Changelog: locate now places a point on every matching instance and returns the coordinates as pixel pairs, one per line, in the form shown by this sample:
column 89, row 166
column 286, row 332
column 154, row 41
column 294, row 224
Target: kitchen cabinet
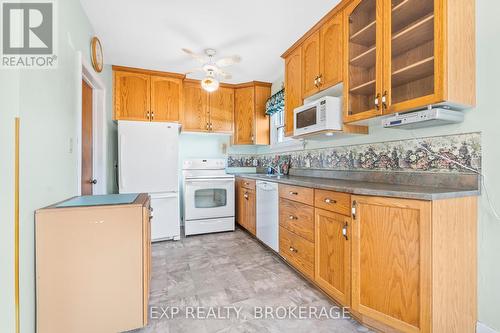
column 399, row 58
column 296, row 231
column 251, row 122
column 409, row 258
column 322, row 57
column 207, row 112
column 196, row 113
column 221, row 107
column 83, row 247
column 293, row 87
column 333, row 254
column 245, row 204
column 146, row 95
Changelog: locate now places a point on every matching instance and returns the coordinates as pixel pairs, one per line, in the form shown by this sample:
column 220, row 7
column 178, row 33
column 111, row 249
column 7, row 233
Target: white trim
column 482, row 328
column 99, row 128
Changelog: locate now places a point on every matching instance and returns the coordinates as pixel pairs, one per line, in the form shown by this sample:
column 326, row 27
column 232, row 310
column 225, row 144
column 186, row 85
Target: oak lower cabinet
column 93, row 265
column 245, row 204
column 333, row 254
column 414, row 264
column 146, row 95
column 296, row 228
column 251, row 122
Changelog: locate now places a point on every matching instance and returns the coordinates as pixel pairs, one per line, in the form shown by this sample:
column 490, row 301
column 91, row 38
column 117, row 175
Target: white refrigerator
column 148, row 162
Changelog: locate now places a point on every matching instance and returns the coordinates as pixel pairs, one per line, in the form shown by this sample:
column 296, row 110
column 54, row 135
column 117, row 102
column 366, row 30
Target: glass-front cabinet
column 363, row 19
column 410, row 66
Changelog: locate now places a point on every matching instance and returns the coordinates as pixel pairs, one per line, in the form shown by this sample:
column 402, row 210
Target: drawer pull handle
column 328, row 201
column 246, row 195
column 292, row 217
column 247, row 183
column 293, row 250
column 293, row 193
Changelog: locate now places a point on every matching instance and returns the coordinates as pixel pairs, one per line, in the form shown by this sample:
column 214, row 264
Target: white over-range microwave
column 321, row 115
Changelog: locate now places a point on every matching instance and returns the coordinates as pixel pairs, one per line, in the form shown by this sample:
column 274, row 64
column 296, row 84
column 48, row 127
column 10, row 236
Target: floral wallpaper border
column 413, row 155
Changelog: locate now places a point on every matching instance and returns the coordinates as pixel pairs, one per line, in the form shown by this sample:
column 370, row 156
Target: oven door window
column 210, row 198
column 306, row 118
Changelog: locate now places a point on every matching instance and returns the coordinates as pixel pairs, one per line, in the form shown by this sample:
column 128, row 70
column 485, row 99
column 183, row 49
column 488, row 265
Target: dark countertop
column 368, row 188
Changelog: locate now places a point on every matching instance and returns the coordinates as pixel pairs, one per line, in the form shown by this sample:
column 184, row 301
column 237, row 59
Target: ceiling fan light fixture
column 210, row 84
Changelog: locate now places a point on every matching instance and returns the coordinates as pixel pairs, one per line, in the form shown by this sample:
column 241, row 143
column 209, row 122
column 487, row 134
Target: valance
column 276, row 102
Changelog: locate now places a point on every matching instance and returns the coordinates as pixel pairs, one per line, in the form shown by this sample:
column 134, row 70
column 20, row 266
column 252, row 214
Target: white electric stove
column 208, row 197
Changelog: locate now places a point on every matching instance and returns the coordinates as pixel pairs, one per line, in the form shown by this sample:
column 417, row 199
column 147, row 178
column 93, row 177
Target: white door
column 165, row 223
column 208, row 198
column 148, row 154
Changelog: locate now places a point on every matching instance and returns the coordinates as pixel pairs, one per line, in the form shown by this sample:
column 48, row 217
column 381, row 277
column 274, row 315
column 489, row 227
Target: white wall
column 485, row 118
column 49, row 108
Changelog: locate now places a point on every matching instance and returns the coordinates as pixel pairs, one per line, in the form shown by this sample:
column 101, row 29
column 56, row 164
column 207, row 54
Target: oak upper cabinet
column 195, row 103
column 331, row 52
column 429, row 55
column 131, row 96
column 251, row 122
column 322, row 60
column 166, row 98
column 391, row 262
column 333, row 254
column 146, row 95
column 293, row 87
column 363, row 70
column 310, row 65
column 221, row 106
column 404, row 55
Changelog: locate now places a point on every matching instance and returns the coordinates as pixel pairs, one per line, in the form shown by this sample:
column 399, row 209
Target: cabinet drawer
column 247, row 183
column 297, row 251
column 297, row 218
column 333, row 201
column 297, row 193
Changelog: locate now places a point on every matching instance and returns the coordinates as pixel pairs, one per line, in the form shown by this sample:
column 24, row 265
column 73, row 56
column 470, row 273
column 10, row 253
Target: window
column 278, row 128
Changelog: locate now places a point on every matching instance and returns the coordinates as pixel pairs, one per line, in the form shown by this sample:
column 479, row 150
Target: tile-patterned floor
column 232, row 270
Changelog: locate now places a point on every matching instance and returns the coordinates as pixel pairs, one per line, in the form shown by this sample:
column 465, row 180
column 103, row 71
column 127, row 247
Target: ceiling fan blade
column 194, row 70
column 225, row 75
column 201, row 58
column 228, row 61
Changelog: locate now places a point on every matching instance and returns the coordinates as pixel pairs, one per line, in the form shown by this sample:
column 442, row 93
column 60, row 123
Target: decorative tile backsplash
column 413, row 155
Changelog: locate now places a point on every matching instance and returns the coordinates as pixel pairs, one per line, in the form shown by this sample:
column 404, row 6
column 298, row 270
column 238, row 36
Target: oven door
column 208, row 198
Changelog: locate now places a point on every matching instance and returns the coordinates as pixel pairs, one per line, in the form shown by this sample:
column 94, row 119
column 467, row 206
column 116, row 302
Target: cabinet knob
column 384, row 100
column 152, row 115
column 377, row 102
column 344, row 231
column 320, row 79
column 207, row 126
column 291, row 217
column 93, row 181
column 148, row 115
column 246, row 195
column 293, row 249
column 329, row 201
column 293, row 193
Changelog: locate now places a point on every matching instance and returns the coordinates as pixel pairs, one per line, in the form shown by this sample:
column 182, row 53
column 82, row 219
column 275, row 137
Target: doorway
column 87, row 179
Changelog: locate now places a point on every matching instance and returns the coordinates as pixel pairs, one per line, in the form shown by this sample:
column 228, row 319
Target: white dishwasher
column 267, row 213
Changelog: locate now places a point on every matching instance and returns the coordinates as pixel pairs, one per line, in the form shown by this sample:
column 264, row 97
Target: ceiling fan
column 212, row 68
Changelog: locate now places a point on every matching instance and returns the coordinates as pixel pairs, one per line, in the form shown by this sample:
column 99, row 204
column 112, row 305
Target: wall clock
column 96, row 54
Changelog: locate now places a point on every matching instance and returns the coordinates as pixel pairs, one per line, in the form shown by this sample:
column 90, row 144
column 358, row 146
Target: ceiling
column 150, row 34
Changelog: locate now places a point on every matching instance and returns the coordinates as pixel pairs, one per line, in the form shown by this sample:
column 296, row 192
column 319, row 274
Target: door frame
column 99, row 129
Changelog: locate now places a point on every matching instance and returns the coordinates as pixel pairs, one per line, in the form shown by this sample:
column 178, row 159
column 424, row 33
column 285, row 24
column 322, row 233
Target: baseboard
column 482, row 328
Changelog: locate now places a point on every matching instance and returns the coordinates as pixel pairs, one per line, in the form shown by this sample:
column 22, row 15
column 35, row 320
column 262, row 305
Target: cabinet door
column 166, row 98
column 241, row 205
column 261, row 119
column 244, row 104
column 293, row 87
column 250, row 212
column 195, row 116
column 222, row 110
column 411, row 63
column 333, row 254
column 363, row 68
column 331, row 53
column 131, row 96
column 310, row 65
column 391, row 262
